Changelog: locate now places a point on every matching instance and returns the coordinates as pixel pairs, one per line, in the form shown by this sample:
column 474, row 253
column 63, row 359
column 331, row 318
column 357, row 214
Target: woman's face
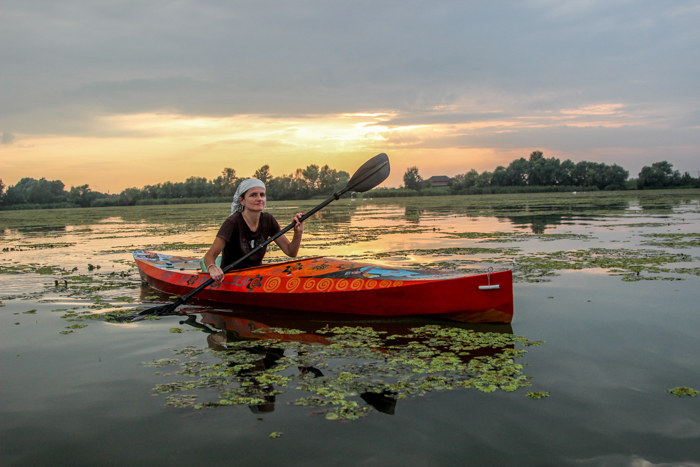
column 254, row 199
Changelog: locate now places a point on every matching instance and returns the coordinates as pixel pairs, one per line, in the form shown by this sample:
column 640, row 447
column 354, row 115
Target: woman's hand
column 299, row 228
column 216, row 273
column 210, row 260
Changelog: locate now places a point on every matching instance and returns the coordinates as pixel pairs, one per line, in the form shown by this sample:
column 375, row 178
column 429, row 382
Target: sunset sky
column 125, row 93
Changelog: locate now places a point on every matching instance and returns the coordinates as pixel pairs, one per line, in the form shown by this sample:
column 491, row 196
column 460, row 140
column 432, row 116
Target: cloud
column 497, row 74
column 7, row 138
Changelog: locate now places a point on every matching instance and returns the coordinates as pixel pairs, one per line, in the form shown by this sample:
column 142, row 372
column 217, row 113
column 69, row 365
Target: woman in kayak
column 246, row 228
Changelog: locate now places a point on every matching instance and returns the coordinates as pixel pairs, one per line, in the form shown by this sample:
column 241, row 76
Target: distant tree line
column 32, row 193
column 536, row 174
column 539, row 173
column 301, row 184
column 312, row 181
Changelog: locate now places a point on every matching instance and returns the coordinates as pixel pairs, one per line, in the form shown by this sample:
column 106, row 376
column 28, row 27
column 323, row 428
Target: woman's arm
column 210, row 257
column 292, row 248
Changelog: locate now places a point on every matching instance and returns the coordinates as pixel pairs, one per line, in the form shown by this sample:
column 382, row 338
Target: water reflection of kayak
column 330, row 285
column 253, row 348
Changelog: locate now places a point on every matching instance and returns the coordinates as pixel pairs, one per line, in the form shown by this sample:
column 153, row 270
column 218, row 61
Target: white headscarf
column 244, row 186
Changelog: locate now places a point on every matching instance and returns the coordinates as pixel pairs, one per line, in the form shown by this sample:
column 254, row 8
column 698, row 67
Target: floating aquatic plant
column 673, row 240
column 628, row 263
column 684, row 391
column 180, row 400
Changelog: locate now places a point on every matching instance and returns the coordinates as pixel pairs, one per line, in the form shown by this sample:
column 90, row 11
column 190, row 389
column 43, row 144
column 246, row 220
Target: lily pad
column 684, row 391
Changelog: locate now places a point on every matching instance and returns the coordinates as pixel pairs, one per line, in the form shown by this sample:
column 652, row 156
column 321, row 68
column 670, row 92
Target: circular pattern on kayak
column 342, row 284
column 385, row 283
column 309, row 284
column 271, row 284
column 356, row 284
column 324, row 284
column 293, row 283
column 371, row 284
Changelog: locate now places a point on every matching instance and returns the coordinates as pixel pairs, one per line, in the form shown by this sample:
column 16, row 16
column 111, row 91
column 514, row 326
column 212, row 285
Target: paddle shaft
column 335, row 196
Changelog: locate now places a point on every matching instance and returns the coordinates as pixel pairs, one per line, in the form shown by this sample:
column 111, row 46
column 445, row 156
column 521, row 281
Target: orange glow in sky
column 152, row 148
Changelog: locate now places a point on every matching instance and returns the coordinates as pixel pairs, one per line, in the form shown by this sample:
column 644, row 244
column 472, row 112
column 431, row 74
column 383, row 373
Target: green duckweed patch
column 37, row 246
column 640, row 224
column 537, row 395
column 628, row 263
column 673, row 240
column 477, row 254
column 345, row 373
column 180, row 400
column 162, row 362
column 27, row 268
column 684, row 391
column 517, row 236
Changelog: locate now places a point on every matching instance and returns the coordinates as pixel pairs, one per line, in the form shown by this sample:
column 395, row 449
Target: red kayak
column 331, row 285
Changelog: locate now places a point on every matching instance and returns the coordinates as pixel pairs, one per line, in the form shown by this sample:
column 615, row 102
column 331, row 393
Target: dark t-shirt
column 240, row 239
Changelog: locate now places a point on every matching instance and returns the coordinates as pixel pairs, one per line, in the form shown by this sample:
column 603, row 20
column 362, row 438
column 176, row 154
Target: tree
column 82, row 195
column 310, row 174
column 615, row 177
column 543, row 171
column 263, row 174
column 660, row 174
column 226, row 183
column 536, row 155
column 329, row 179
column 412, row 179
column 484, row 179
column 2, row 191
column 566, row 173
column 469, row 179
column 499, row 176
column 197, row 187
column 29, row 190
column 129, row 196
column 517, row 172
column 579, row 174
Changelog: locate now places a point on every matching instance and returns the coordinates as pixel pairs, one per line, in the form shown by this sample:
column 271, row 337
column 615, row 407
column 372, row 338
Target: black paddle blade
column 162, row 310
column 370, row 174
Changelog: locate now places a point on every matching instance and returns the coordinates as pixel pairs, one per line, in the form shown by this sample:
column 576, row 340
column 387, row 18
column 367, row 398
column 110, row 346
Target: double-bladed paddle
column 369, row 175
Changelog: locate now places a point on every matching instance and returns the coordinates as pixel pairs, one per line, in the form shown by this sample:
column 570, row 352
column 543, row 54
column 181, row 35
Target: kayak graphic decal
column 292, row 284
column 271, row 284
column 254, row 282
column 291, row 268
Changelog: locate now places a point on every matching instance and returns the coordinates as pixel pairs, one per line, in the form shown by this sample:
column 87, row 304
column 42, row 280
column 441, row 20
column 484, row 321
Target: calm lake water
column 608, row 282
